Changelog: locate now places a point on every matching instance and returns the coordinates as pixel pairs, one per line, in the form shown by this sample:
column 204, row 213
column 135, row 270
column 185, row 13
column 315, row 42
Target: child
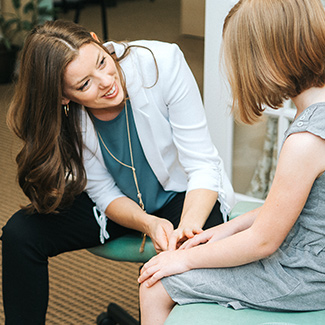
column 272, row 258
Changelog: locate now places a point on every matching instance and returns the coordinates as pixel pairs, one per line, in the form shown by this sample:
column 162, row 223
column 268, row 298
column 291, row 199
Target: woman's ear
column 94, row 36
column 65, row 101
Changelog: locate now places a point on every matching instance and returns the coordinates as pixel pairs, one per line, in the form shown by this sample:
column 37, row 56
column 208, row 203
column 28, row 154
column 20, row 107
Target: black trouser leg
column 173, row 210
column 27, row 242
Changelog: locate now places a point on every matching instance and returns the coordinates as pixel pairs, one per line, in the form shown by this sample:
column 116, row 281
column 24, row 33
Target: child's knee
column 153, row 293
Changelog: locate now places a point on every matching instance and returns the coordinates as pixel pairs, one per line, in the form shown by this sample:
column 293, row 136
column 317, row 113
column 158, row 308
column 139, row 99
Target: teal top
column 115, row 136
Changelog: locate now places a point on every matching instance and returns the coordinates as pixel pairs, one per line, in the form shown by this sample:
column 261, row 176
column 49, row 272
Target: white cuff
column 102, row 221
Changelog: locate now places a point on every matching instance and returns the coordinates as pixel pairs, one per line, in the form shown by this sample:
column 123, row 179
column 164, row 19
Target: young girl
column 272, row 258
column 115, row 131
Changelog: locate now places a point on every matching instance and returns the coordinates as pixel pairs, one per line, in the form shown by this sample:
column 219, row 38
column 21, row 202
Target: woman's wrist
column 191, row 222
column 150, row 224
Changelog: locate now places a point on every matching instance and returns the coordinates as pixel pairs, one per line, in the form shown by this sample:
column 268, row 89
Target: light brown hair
column 272, row 50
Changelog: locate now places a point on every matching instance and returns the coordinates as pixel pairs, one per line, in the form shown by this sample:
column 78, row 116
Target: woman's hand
column 206, row 236
column 197, row 207
column 163, row 265
column 181, row 235
column 160, row 231
column 128, row 213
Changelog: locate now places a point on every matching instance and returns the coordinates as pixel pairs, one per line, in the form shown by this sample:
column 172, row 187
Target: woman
column 114, row 138
column 272, row 258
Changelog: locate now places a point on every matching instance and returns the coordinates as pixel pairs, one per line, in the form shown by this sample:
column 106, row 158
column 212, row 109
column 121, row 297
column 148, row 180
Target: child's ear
column 94, row 36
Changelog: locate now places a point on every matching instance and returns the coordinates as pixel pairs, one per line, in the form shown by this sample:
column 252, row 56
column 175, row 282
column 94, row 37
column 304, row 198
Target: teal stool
column 213, row 314
column 126, row 249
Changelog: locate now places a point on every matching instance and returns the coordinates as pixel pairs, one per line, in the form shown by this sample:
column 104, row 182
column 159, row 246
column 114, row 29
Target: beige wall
column 5, row 5
column 192, row 17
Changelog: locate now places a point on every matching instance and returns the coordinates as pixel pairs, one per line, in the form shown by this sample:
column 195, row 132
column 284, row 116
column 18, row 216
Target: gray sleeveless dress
column 293, row 278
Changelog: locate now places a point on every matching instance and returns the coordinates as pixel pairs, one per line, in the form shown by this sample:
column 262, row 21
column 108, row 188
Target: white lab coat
column 171, row 126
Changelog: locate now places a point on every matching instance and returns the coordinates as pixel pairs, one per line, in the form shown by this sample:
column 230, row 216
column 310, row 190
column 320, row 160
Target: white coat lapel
column 142, row 109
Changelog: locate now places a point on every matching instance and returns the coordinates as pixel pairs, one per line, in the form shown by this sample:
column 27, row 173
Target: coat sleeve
column 196, row 151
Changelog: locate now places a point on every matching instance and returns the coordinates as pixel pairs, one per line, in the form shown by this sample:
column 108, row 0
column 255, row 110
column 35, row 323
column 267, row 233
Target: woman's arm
column 128, row 213
column 196, row 152
column 186, row 115
column 197, row 207
column 300, row 163
column 224, row 230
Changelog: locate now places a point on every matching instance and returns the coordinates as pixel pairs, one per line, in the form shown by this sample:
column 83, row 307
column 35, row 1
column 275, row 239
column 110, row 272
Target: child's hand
column 162, row 265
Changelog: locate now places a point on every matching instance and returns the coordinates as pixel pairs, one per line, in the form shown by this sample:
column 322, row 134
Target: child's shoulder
column 311, row 120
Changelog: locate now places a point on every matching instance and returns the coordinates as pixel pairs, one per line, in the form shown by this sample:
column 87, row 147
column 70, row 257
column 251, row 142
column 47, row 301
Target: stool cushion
column 126, row 248
column 243, row 207
column 213, row 314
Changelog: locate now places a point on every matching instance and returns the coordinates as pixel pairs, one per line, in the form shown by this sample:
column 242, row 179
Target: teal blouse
column 115, row 137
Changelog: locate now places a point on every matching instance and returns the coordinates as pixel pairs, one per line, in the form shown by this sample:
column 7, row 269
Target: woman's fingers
column 181, row 235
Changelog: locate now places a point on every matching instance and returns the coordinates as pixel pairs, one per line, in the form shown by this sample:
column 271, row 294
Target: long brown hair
column 273, row 50
column 50, row 163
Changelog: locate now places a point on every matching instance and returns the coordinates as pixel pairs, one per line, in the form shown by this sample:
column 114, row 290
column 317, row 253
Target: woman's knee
column 18, row 230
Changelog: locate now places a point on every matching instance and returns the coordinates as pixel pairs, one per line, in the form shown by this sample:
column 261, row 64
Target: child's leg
column 155, row 304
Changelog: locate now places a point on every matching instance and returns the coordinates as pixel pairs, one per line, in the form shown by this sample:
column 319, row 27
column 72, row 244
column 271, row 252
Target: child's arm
column 301, row 161
column 224, row 230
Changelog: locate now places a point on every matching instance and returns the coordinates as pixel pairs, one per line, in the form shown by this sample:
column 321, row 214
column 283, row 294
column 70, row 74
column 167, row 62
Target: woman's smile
column 113, row 92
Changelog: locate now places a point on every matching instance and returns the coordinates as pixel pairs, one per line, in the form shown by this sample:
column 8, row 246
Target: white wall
column 216, row 95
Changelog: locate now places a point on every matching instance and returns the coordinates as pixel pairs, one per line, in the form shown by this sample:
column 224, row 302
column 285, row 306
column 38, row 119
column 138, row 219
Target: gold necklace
column 139, row 195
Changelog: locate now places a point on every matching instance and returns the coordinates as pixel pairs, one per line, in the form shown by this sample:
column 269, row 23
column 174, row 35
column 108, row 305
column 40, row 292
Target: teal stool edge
column 213, row 314
column 126, row 249
column 243, row 207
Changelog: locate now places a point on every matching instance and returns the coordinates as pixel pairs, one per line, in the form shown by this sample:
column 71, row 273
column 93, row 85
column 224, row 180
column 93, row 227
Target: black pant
column 29, row 239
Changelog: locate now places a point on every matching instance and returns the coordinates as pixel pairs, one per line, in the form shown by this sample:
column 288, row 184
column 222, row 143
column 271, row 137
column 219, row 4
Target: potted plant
column 13, row 27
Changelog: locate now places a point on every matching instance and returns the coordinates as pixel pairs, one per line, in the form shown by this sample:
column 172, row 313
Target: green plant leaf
column 29, row 6
column 16, row 4
column 6, row 44
column 26, row 25
column 9, row 23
